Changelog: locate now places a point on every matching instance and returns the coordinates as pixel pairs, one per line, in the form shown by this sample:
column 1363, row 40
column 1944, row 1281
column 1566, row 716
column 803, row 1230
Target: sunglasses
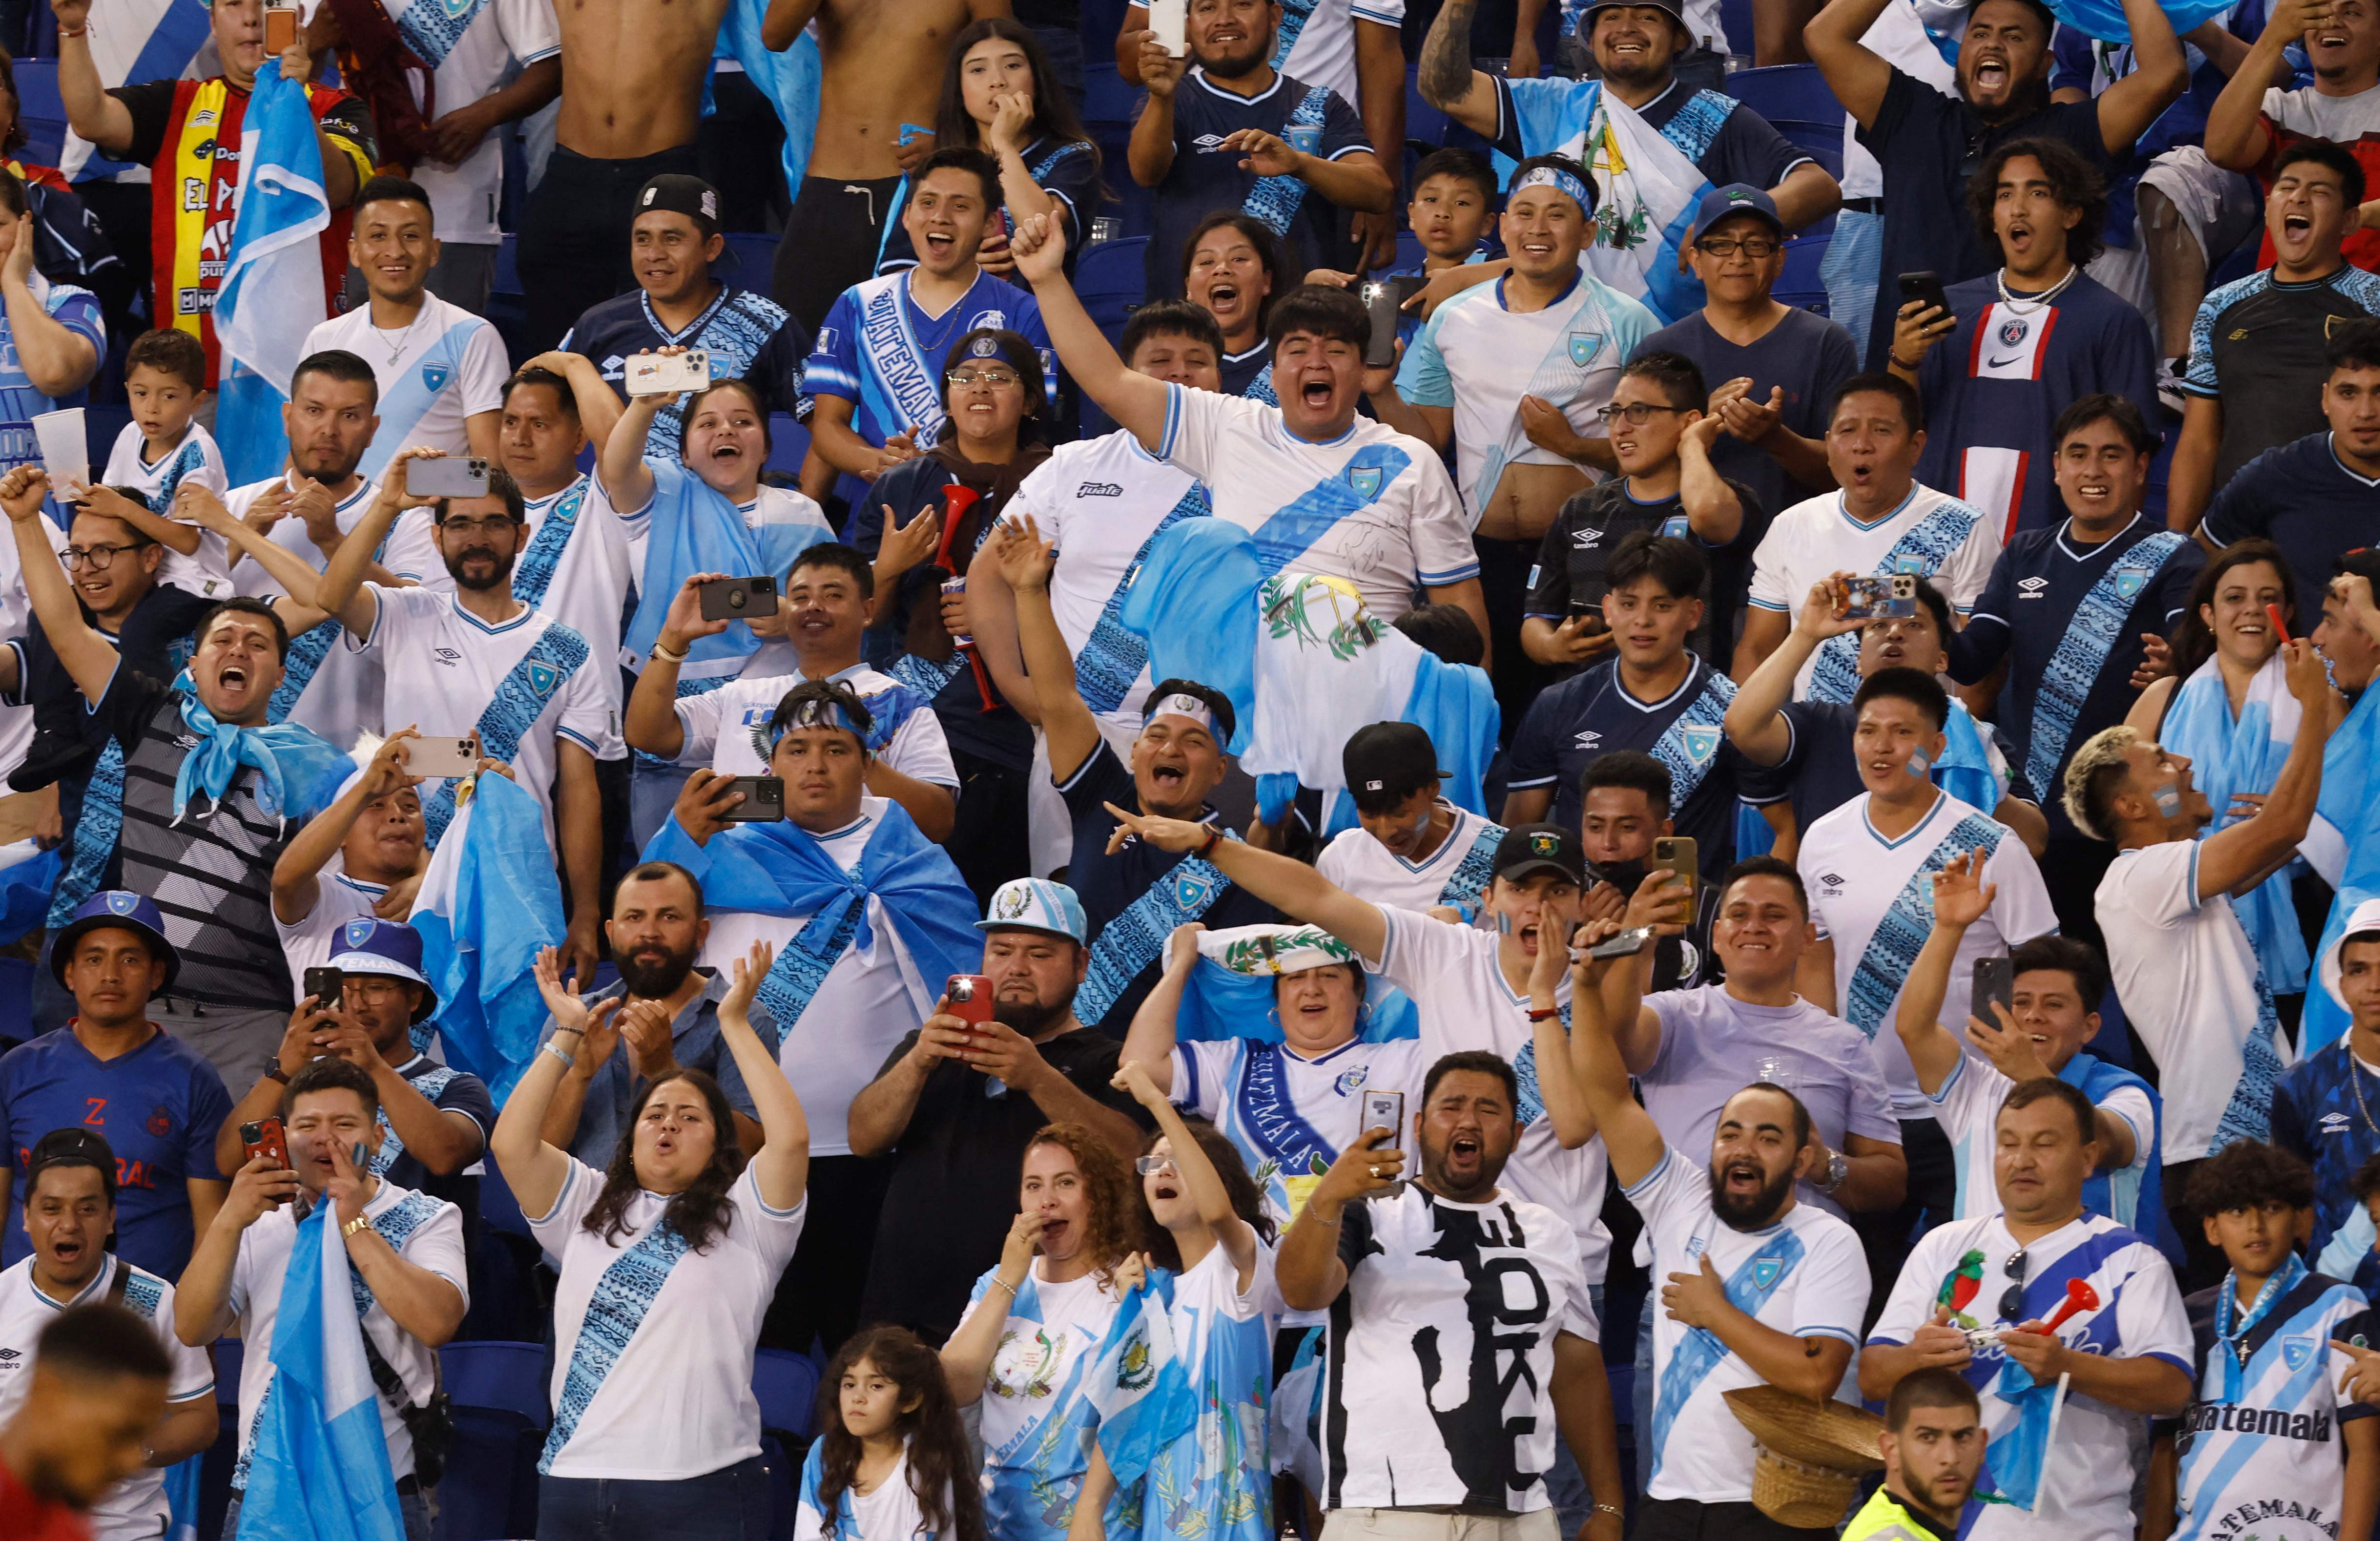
column 1150, row 1166
column 2012, row 1298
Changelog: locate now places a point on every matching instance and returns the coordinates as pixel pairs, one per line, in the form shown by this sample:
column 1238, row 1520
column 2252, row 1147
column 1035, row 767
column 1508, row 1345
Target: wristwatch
column 348, row 1230
column 1837, row 1168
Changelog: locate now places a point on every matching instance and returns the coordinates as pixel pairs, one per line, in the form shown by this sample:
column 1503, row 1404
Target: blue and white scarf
column 1885, row 966
column 2091, row 635
column 1921, row 548
column 2245, row 754
column 1274, row 201
column 1110, row 659
column 519, row 700
column 1136, row 938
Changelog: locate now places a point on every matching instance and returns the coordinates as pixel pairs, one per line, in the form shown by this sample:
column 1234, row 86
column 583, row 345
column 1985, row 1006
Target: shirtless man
column 883, row 62
column 632, row 75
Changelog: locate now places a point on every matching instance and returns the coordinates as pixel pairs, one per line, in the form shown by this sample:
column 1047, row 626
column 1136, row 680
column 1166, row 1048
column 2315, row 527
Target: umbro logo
column 1100, row 490
column 1587, row 740
column 1585, row 540
column 2334, row 1124
column 1207, row 143
column 9, row 1353
column 2031, row 588
column 448, row 656
column 1831, row 883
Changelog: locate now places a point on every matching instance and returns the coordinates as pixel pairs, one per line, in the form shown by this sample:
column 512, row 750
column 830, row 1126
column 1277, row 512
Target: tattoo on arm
column 1446, row 53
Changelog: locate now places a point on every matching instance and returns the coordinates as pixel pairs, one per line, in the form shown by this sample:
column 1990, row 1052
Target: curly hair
column 1111, row 1224
column 2073, row 184
column 699, row 1212
column 1247, row 1200
column 942, row 1468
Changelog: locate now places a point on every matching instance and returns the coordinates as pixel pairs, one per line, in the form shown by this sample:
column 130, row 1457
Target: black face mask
column 1625, row 876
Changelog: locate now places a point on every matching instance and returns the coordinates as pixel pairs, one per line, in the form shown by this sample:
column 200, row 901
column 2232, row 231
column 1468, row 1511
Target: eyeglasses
column 996, row 379
column 1150, row 1166
column 1637, row 413
column 2012, row 1298
column 1754, row 246
column 96, row 558
column 374, row 991
column 487, row 525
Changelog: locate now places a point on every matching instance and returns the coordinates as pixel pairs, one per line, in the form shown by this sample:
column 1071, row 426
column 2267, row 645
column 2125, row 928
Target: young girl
column 890, row 1462
column 1203, row 1217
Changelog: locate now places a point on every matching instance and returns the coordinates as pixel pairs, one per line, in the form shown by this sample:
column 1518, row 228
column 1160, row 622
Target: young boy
column 162, row 447
column 2267, row 1439
column 1452, row 213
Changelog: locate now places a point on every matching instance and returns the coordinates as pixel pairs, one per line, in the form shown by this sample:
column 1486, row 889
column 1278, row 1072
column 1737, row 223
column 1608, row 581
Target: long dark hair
column 2193, row 640
column 1054, row 118
column 700, row 1213
column 1260, row 236
column 1112, row 1224
column 1247, row 1201
column 942, row 1467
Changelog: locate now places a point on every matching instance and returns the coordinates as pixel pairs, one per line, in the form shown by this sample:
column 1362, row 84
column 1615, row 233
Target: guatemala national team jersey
column 1205, row 177
column 20, row 402
column 1996, row 384
column 207, row 571
column 748, row 336
column 2087, row 1475
column 472, row 46
column 1290, row 1116
column 1968, row 1107
column 1874, row 898
column 2257, row 346
column 1590, row 714
column 574, row 565
column 445, row 368
column 1471, row 355
column 1249, row 374
column 2304, row 499
column 878, row 350
column 2263, row 1446
column 1372, row 506
column 2322, row 1108
column 727, row 729
column 158, row 1108
column 1803, row 1276
column 1456, row 873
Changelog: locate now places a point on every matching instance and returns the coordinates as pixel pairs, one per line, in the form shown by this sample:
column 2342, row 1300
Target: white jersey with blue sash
column 575, row 567
column 194, row 458
column 641, row 1320
column 1805, row 1275
column 1036, row 1420
column 323, row 685
column 1456, row 873
column 435, row 375
column 1288, row 1115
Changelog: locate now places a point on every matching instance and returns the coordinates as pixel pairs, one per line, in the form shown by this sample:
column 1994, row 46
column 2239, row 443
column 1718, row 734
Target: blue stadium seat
column 40, row 110
column 500, row 1416
column 1111, row 279
column 787, row 1387
column 789, row 442
column 1109, row 97
column 746, row 262
column 1792, row 92
column 1799, row 286
column 1423, row 123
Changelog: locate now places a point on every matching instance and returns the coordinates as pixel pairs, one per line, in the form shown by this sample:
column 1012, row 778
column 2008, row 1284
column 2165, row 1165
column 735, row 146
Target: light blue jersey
column 1036, row 1421
column 1214, row 1484
column 20, row 400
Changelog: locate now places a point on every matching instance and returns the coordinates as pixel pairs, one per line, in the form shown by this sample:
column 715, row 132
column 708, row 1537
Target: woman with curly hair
column 1036, row 1323
column 668, row 1260
column 891, row 1460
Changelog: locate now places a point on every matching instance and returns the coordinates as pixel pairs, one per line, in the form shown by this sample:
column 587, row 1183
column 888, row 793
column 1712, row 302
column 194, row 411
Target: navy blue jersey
column 1994, row 386
column 158, row 1108
column 1205, row 176
column 1591, row 714
column 1068, row 173
column 2318, row 1115
column 1928, row 144
column 1726, row 140
column 1568, row 575
column 748, row 336
column 1805, row 356
column 2258, row 347
column 2302, row 498
column 1249, row 374
column 449, row 1090
column 2026, row 614
column 1820, row 774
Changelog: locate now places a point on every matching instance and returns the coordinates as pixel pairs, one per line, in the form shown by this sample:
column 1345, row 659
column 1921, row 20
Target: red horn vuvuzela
column 2080, row 1297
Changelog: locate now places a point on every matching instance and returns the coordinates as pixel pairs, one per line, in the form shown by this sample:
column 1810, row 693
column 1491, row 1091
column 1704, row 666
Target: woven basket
column 1807, row 1455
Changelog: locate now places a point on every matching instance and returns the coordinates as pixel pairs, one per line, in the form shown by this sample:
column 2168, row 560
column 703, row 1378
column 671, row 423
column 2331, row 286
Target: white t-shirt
column 871, row 998
column 727, row 729
column 425, row 1231
column 1323, row 51
column 1457, row 872
column 1270, row 1102
column 337, row 900
column 472, row 51
column 1967, row 1109
column 448, row 365
column 890, row 1513
column 2087, row 1477
column 1372, row 506
column 1818, row 537
column 2186, row 974
column 135, row 1508
column 1392, row 1435
column 16, row 623
column 207, row 571
column 1099, row 501
column 1460, row 995
column 693, row 1327
column 443, row 666
column 1805, row 1275
column 1857, row 880
column 2307, row 113
column 1048, row 1329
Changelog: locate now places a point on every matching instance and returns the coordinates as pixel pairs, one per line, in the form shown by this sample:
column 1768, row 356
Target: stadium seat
column 1797, row 93
column 1109, row 98
column 1799, row 286
column 746, row 262
column 1735, row 20
column 789, row 442
column 787, row 1387
column 1111, row 280
column 40, row 110
column 500, row 1416
column 1424, row 123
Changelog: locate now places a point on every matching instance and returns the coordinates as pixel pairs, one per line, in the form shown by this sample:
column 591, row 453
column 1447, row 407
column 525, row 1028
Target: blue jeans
column 412, row 1507
column 727, row 1505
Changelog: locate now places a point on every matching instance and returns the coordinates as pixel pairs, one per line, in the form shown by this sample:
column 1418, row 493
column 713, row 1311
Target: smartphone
column 264, row 1137
column 1878, row 596
column 1680, row 855
column 1384, row 300
column 449, row 476
column 2281, row 626
column 280, row 28
column 328, row 986
column 764, row 800
column 438, row 757
column 970, row 995
column 1926, row 286
column 660, row 375
column 1624, row 944
column 737, row 599
column 1169, row 23
column 1994, row 980
column 1385, row 1109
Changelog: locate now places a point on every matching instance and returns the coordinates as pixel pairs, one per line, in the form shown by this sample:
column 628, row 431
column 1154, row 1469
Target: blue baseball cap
column 1035, row 904
column 388, row 949
column 125, row 911
column 1737, row 198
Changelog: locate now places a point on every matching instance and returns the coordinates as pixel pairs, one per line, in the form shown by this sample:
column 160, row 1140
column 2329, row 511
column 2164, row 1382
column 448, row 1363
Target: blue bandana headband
column 823, row 714
column 1555, row 178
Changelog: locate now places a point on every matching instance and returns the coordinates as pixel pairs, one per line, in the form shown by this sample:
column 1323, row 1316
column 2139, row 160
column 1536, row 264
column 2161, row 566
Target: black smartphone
column 1994, row 980
column 1682, row 856
column 1926, row 286
column 737, row 599
column 326, row 985
column 1384, row 300
column 764, row 800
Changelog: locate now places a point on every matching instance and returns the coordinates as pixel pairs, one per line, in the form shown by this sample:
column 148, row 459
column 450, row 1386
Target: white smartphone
column 440, row 757
column 664, row 374
column 1386, row 1109
column 1168, row 22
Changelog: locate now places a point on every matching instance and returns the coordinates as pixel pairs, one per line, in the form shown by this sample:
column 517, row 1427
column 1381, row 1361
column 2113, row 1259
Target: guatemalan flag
column 2343, row 847
column 1138, row 1386
column 318, row 1469
column 271, row 294
column 488, row 905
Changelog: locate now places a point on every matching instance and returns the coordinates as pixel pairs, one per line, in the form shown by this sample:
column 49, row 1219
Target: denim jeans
column 410, row 1507
column 727, row 1505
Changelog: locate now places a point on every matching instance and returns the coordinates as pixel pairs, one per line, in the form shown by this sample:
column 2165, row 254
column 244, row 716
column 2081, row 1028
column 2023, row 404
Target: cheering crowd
column 1483, row 870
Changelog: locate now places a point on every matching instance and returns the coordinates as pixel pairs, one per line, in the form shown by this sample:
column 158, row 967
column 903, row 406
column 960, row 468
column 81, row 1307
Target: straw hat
column 1808, row 1455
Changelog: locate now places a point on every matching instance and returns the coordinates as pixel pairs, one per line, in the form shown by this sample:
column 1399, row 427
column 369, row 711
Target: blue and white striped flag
column 143, row 39
column 276, row 258
column 318, row 1470
column 1138, row 1385
column 488, row 905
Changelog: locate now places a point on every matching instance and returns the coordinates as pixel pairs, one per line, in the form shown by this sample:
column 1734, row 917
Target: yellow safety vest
column 1883, row 1519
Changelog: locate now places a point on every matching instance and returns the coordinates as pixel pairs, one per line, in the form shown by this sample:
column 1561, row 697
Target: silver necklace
column 2031, row 303
column 396, row 349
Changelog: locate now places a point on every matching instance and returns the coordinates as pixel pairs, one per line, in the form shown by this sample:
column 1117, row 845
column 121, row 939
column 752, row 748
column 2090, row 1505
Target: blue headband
column 820, row 714
column 1554, row 177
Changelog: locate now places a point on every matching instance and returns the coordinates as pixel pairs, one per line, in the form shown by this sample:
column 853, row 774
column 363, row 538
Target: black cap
column 1675, row 7
column 1528, row 848
column 71, row 1147
column 1387, row 763
column 681, row 194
